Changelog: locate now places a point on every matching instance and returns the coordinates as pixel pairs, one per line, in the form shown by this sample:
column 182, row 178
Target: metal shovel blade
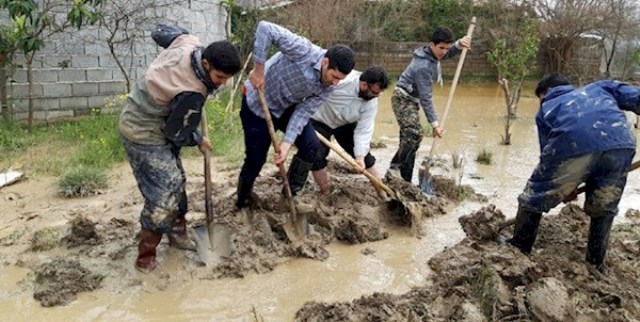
column 212, row 249
column 425, row 180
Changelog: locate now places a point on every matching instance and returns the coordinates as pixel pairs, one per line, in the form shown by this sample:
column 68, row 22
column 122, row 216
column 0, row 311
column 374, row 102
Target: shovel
column 213, row 241
column 297, row 226
column 424, row 177
column 394, row 201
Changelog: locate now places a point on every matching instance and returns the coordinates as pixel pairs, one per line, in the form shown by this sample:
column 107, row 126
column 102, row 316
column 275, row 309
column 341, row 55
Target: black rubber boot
column 526, row 229
column 244, row 193
column 298, row 173
column 598, row 243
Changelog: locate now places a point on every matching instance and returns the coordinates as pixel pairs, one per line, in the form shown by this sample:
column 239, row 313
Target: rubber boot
column 298, row 173
column 244, row 193
column 525, row 230
column 598, row 243
column 322, row 179
column 178, row 237
column 146, row 261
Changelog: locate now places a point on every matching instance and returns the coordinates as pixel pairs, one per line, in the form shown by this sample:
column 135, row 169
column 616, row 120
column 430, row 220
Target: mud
column 352, row 214
column 58, row 282
column 481, row 280
column 102, row 235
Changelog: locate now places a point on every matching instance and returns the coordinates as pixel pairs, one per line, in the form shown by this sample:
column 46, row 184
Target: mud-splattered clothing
column 584, row 138
column 161, row 180
column 162, row 114
column 415, row 88
column 605, row 175
column 576, row 121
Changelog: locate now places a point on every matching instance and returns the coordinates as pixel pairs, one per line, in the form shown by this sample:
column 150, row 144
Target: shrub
column 82, row 181
column 484, row 157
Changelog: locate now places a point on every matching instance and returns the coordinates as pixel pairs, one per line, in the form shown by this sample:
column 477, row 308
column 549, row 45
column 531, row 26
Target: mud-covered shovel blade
column 425, row 180
column 213, row 247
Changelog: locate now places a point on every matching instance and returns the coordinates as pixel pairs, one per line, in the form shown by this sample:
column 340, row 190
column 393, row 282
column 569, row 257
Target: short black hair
column 341, row 58
column 223, row 56
column 550, row 81
column 375, row 75
column 442, row 35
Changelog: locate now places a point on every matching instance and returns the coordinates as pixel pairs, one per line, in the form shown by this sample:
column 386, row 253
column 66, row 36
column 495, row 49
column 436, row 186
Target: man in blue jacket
column 584, row 138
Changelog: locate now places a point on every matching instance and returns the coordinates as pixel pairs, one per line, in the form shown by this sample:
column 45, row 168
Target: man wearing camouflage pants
column 414, row 88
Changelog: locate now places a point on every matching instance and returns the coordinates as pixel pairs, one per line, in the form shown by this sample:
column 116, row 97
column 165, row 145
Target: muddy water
column 394, row 265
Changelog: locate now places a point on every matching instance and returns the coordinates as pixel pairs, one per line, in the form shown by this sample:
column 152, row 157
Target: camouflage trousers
column 161, row 180
column 407, row 111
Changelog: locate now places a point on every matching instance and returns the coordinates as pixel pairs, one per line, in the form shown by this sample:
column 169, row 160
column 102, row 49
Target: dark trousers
column 344, row 136
column 257, row 141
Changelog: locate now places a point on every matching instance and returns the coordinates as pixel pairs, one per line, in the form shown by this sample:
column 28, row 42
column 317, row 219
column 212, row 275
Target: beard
column 364, row 96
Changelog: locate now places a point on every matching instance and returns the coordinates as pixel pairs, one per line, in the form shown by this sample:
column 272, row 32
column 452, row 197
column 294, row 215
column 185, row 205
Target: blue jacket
column 577, row 121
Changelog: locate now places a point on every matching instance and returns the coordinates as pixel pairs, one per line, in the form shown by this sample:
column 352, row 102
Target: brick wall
column 395, row 57
column 75, row 72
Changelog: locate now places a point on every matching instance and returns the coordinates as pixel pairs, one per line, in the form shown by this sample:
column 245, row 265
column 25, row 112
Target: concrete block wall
column 75, row 72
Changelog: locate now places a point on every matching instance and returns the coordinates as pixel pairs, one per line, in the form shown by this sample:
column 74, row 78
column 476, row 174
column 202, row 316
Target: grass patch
column 484, row 157
column 484, row 291
column 44, row 239
column 93, row 142
column 82, row 181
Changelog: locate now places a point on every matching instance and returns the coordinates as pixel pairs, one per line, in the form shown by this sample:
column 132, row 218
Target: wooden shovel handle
column 276, row 148
column 208, row 205
column 374, row 180
column 454, row 84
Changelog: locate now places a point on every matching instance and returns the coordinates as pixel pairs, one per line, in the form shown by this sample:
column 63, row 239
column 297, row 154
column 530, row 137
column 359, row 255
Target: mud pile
column 479, row 279
column 58, row 282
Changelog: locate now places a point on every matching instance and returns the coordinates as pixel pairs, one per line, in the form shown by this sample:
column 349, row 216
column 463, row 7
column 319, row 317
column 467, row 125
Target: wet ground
column 358, row 247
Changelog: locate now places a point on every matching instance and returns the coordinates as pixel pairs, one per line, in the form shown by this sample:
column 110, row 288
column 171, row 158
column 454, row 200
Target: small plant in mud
column 82, row 181
column 484, row 157
column 483, row 287
column 44, row 239
column 12, row 238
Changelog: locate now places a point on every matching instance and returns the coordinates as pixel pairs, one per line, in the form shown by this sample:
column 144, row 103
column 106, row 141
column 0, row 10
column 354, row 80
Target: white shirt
column 344, row 106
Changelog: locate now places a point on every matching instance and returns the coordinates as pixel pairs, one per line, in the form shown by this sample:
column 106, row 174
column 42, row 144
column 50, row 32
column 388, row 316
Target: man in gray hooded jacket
column 415, row 88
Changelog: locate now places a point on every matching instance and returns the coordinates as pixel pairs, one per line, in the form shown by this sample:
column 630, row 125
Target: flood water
column 475, row 122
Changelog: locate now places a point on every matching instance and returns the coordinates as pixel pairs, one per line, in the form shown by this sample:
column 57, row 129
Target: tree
column 126, row 24
column 564, row 22
column 618, row 32
column 32, row 22
column 513, row 54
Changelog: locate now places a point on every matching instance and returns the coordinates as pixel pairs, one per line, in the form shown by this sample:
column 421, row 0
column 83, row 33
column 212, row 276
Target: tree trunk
column 4, row 101
column 30, row 81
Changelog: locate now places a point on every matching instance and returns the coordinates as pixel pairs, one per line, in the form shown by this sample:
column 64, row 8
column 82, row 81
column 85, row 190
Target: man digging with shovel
column 415, row 88
column 349, row 114
column 584, row 138
column 161, row 116
column 295, row 81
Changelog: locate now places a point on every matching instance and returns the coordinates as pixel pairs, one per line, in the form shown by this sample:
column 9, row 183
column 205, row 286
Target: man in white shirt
column 349, row 114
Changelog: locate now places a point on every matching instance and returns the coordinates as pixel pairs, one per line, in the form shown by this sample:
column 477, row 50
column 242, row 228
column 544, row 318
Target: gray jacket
column 417, row 78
